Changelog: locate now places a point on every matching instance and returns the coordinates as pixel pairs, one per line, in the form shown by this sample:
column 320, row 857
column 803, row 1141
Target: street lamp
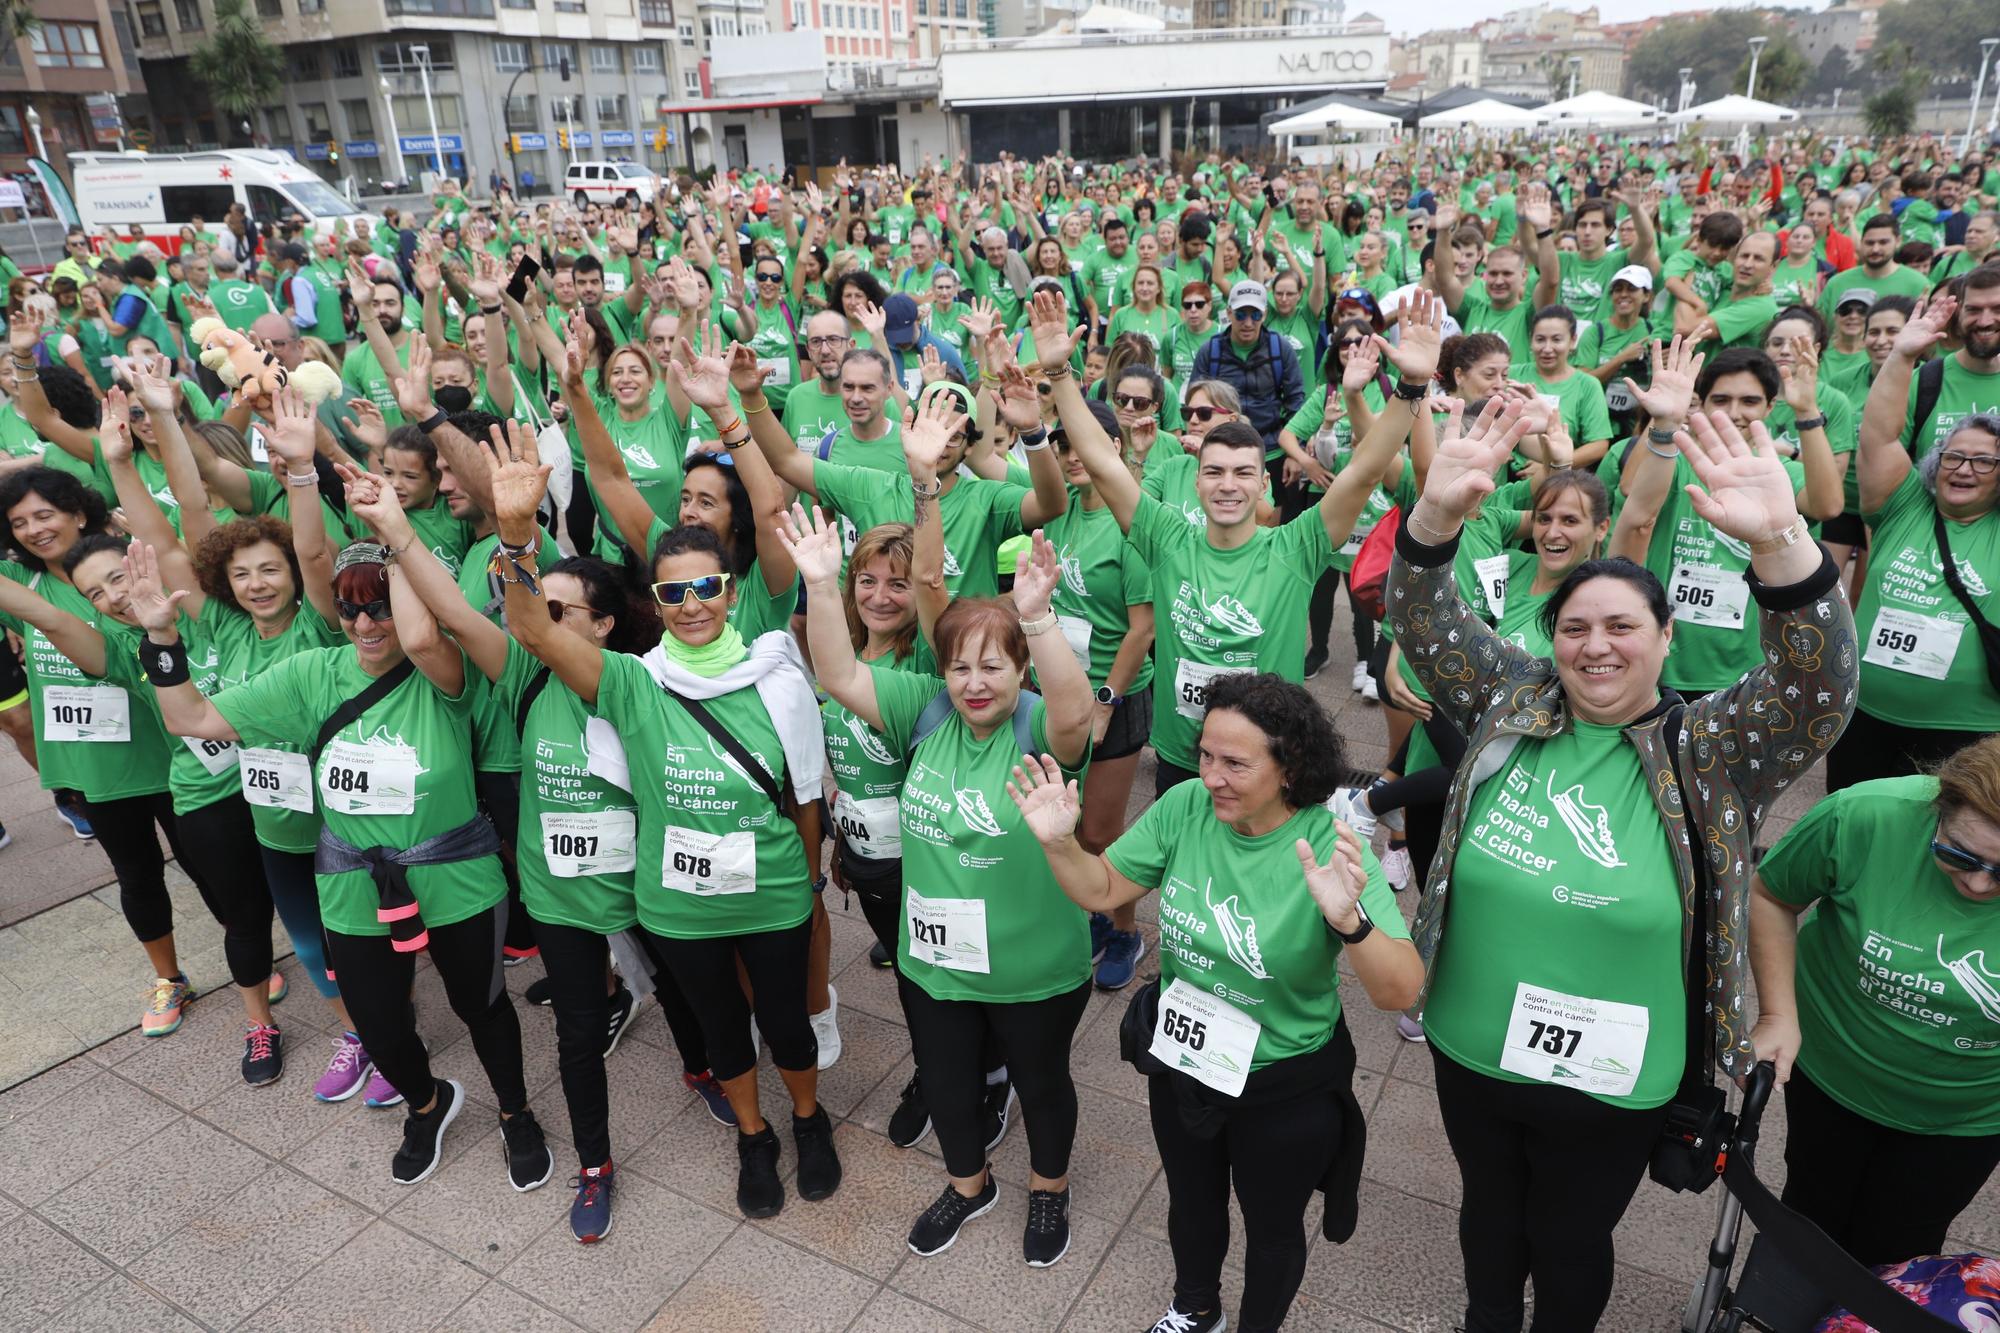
column 422, row 52
column 1756, row 50
column 395, row 138
column 1687, row 87
column 35, row 128
column 1986, row 46
column 1575, row 64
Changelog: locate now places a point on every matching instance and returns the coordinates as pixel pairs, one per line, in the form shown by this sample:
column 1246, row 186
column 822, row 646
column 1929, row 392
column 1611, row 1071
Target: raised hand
column 114, row 431
column 703, row 376
column 1464, row 466
column 149, row 603
column 814, row 545
column 486, row 283
column 1745, row 492
column 1336, row 886
column 1364, row 363
column 155, row 392
column 1534, row 207
column 292, row 435
column 1670, row 396
column 980, row 318
column 23, row 333
column 367, row 424
column 872, row 319
column 1048, row 323
column 1035, row 579
column 1415, row 357
column 413, row 388
column 928, row 431
column 516, row 472
column 1926, row 327
column 424, row 269
column 745, row 375
column 1020, row 405
column 375, row 503
column 360, row 286
column 1802, row 378
column 933, row 368
column 1048, row 805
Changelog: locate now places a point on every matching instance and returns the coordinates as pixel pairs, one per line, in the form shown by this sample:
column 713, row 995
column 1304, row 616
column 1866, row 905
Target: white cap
column 1247, row 293
column 1637, row 274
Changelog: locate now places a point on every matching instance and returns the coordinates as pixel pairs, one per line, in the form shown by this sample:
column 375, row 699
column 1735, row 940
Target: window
column 270, row 9
column 11, row 140
column 521, row 113
column 685, row 31
column 456, row 9
column 318, row 124
column 799, row 13
column 554, row 53
column 610, row 112
column 517, row 4
column 121, row 33
column 510, row 57
column 360, row 114
column 312, row 6
column 401, row 57
column 896, row 22
column 188, row 14
column 646, row 59
column 412, row 117
column 569, row 6
column 656, row 13
column 725, row 27
column 69, row 45
column 184, row 203
column 279, row 121
column 606, row 60
column 152, row 22
column 691, row 82
column 305, row 62
column 346, row 63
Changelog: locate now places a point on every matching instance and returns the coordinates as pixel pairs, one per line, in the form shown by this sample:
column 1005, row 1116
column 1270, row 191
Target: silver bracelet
column 937, row 487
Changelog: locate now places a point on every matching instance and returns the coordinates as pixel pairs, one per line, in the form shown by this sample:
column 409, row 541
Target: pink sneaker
column 164, row 1001
column 278, row 987
column 346, row 1073
column 381, row 1092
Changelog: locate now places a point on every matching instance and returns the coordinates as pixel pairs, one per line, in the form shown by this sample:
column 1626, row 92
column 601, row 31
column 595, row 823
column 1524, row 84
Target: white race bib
column 576, row 843
column 1618, row 398
column 1191, row 687
column 780, row 368
column 1708, row 595
column 275, row 779
column 86, row 713
column 1492, row 572
column 1591, row 1045
column 218, row 757
column 1205, row 1037
column 873, row 828
column 369, row 779
column 947, row 932
column 709, row 864
column 1076, row 633
column 1920, row 645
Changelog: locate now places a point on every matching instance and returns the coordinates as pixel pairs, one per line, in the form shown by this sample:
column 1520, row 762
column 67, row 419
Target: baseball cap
column 899, row 314
column 1861, row 296
column 1248, row 294
column 1638, row 275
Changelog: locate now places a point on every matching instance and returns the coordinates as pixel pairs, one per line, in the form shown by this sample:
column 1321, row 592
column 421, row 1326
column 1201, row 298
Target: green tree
column 1942, row 35
column 240, row 66
column 1893, row 110
column 1717, row 49
column 1782, row 72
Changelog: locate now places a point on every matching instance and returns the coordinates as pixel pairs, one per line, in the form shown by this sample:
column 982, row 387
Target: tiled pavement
column 143, row 1187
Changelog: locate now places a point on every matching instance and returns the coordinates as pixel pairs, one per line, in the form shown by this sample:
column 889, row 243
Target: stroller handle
column 1756, row 1093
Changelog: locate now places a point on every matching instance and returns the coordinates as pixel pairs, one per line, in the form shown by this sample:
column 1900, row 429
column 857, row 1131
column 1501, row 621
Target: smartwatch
column 1106, row 697
column 1361, row 932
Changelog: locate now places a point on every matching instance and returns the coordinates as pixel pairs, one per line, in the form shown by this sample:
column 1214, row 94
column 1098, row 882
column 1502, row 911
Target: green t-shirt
column 362, row 374
column 1102, row 576
column 1741, row 321
column 1848, row 372
column 983, row 917
column 654, row 449
column 1922, row 664
column 867, row 771
column 1792, row 284
column 1301, row 330
column 1564, row 886
column 1710, row 282
column 812, row 415
column 707, row 832
column 1242, row 609
column 1155, row 326
column 1962, row 393
column 237, row 303
column 1579, row 397
column 1107, row 277
column 444, row 536
column 1843, row 433
column 1236, row 920
column 1586, row 283
column 1520, row 618
column 270, row 496
column 1898, row 281
column 400, row 773
column 1476, row 314
column 976, row 516
column 18, row 440
column 990, row 283
column 1895, row 1012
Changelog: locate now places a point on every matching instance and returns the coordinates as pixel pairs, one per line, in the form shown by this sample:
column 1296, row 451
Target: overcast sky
column 1409, row 20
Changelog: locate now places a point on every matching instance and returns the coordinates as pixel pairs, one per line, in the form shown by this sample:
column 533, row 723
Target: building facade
column 81, row 49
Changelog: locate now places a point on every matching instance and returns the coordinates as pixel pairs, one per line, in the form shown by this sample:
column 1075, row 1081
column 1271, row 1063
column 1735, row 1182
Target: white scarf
column 779, row 674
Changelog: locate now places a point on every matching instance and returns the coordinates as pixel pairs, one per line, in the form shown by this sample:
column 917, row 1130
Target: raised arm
column 609, row 477
column 467, row 461
column 925, row 435
column 1066, row 693
column 1649, row 468
column 184, row 710
column 1824, row 495
column 485, row 292
column 1054, row 342
column 520, row 481
column 1883, row 461
column 815, row 548
column 75, row 639
column 793, row 466
column 760, row 482
column 376, row 504
column 22, row 336
column 1415, row 357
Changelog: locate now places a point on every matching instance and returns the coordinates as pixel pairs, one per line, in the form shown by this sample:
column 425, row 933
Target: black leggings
column 219, row 841
column 1884, row 1194
column 1168, row 776
column 948, row 1037
column 1871, row 748
column 776, row 963
column 1547, row 1173
column 125, row 831
column 375, row 982
column 1274, row 1153
column 500, row 802
column 1421, row 796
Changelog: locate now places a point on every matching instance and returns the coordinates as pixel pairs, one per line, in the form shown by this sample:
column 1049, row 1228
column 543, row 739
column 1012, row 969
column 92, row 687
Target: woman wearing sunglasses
column 1196, row 327
column 775, row 339
column 405, row 860
column 1883, row 1010
column 1171, row 464
column 718, row 740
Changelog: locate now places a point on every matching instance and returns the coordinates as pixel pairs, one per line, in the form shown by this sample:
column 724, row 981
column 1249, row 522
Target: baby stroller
column 1794, row 1275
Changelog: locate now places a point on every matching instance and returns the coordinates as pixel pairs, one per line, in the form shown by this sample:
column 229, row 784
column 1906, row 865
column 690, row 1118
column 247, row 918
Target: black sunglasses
column 557, row 610
column 1196, row 304
column 1961, row 859
column 1133, row 401
column 770, row 277
column 375, row 610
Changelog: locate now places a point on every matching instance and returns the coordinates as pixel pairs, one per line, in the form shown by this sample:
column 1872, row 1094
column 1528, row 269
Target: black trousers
column 1168, row 776
column 219, row 847
column 879, row 889
column 1547, row 1173
column 706, row 971
column 500, row 802
column 1871, row 748
column 125, row 832
column 1885, row 1194
column 375, row 983
column 949, row 1036
column 1274, row 1154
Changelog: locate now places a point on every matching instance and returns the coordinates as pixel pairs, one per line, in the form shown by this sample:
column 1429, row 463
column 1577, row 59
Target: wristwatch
column 1106, row 697
column 1361, row 932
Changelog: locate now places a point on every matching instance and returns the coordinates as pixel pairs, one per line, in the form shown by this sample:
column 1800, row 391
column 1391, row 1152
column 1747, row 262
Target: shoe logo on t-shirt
column 1238, row 931
column 871, row 744
column 972, row 808
column 1072, row 571
column 1589, row 824
column 1967, row 575
column 641, row 455
column 1975, row 979
column 1232, row 614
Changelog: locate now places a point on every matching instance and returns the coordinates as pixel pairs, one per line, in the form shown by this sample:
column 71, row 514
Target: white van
column 162, row 192
column 625, row 183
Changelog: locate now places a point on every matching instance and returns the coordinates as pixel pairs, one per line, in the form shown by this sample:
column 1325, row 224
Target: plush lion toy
column 249, row 369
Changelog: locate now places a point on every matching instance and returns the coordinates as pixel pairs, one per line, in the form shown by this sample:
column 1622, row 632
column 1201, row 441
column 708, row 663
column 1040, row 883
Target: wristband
column 1426, row 535
column 1793, row 533
column 164, row 663
column 1805, row 424
column 438, row 418
column 1061, row 372
column 736, row 423
column 301, row 478
column 1656, row 435
column 762, row 404
column 489, row 310
column 936, row 489
column 1545, row 233
column 1412, row 392
column 1037, row 628
column 1361, row 932
column 1036, row 440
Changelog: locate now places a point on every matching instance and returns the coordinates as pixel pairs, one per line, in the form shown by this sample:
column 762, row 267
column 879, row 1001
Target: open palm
column 813, row 544
column 1463, row 469
column 1336, row 886
column 1745, row 492
column 517, row 475
column 1049, row 805
column 1671, row 390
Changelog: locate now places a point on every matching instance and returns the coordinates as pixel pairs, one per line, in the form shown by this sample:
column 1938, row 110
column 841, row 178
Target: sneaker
column 423, row 1136
column 6, row 838
column 1360, row 677
column 1349, row 805
column 73, row 816
column 540, row 991
column 624, row 1007
column 1392, row 820
column 529, row 1161
column 939, row 1226
column 712, row 1096
column 759, row 1193
column 826, row 1027
column 999, row 1107
column 1315, row 662
column 164, row 1002
column 381, row 1092
column 1370, row 690
column 1120, row 961
column 879, row 956
column 910, row 1123
column 1397, row 867
column 263, row 1055
column 345, row 1074
column 1177, row 1320
column 590, row 1214
column 1046, row 1237
column 1409, row 1029
column 512, row 957
column 819, row 1165
column 277, row 988
column 1100, row 936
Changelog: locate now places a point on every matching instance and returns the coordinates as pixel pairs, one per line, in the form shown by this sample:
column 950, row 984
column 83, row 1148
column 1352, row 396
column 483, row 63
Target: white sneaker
column 1370, row 690
column 1360, row 678
column 1397, row 869
column 826, row 1027
column 1349, row 805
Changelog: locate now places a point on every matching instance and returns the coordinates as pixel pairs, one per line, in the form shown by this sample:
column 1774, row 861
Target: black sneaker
column 819, row 1165
column 880, row 956
column 1046, row 1238
column 938, row 1227
column 423, row 1135
column 999, row 1105
column 759, row 1193
column 529, row 1161
column 1177, row 1320
column 624, row 1006
column 540, row 991
column 911, row 1123
column 1315, row 662
column 263, row 1055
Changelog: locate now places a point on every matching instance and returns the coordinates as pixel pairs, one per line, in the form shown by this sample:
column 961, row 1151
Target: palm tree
column 242, row 69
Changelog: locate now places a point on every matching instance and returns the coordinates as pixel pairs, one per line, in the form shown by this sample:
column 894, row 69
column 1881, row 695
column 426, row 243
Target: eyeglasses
column 1134, row 402
column 1982, row 465
column 829, row 340
column 1204, row 413
column 672, row 592
column 1194, row 305
column 376, row 610
column 1960, row 859
column 1247, row 315
column 557, row 610
column 770, row 277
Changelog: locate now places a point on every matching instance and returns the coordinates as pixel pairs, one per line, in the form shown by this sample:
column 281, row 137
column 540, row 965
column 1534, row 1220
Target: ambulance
column 163, row 192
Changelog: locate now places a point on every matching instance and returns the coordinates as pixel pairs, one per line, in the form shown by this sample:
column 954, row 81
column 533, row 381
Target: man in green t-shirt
column 814, row 412
column 1878, row 271
column 1740, row 318
column 380, row 299
column 1586, row 272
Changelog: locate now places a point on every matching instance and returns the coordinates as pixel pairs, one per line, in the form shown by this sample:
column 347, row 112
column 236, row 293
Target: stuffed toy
column 255, row 373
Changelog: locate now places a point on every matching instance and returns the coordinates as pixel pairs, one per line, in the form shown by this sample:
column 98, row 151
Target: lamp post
column 1575, row 64
column 1986, row 46
column 395, row 137
column 35, row 128
column 1687, row 87
column 1756, row 50
column 422, row 52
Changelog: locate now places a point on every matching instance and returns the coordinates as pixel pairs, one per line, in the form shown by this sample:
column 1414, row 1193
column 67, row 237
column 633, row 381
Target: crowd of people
column 631, row 588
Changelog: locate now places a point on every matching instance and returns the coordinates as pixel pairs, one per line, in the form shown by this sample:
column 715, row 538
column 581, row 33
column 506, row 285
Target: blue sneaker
column 590, row 1214
column 712, row 1096
column 1120, row 962
column 73, row 816
column 1100, row 935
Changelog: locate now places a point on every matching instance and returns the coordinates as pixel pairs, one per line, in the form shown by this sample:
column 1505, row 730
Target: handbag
column 1989, row 634
column 552, row 446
